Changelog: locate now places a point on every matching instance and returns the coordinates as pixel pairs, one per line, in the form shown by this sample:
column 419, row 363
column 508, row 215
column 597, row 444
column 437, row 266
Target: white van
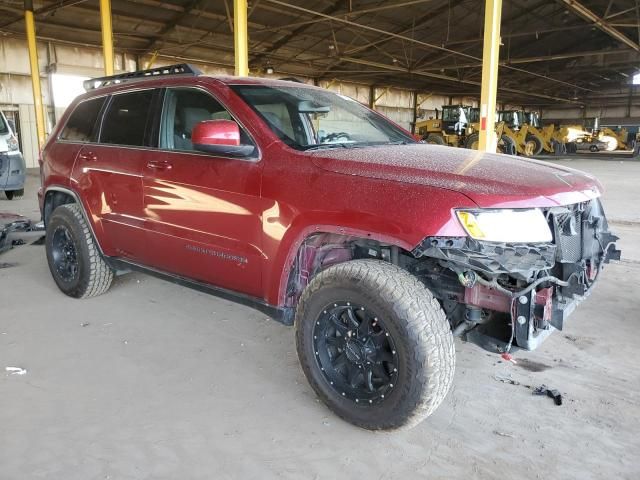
column 12, row 166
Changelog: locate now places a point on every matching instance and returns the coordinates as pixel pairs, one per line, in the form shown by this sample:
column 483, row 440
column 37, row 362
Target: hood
column 489, row 179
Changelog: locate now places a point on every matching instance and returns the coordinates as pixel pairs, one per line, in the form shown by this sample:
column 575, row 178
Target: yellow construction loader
column 450, row 129
column 590, row 135
column 529, row 139
column 614, row 140
column 505, row 145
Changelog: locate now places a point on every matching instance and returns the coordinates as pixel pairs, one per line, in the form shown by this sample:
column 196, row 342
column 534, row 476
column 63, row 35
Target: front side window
column 183, row 109
column 125, row 121
column 451, row 114
column 81, row 126
column 308, row 118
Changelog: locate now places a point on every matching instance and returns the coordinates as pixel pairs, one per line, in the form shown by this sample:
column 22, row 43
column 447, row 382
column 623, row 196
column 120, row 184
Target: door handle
column 159, row 165
column 88, row 156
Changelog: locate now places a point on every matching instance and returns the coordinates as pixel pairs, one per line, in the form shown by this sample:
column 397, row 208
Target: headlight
column 13, row 144
column 527, row 226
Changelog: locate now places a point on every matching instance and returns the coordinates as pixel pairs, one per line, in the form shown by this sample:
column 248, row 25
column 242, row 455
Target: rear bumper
column 12, row 171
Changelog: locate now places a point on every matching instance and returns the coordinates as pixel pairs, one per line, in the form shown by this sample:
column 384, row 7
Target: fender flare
column 76, row 197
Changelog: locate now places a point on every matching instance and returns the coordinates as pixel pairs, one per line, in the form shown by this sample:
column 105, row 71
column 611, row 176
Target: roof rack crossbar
column 178, row 69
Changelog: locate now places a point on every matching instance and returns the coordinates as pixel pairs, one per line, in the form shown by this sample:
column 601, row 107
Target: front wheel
column 472, row 141
column 374, row 344
column 537, row 144
column 434, row 139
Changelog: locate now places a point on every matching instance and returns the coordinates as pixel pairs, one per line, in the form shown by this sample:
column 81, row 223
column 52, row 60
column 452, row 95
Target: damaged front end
column 501, row 293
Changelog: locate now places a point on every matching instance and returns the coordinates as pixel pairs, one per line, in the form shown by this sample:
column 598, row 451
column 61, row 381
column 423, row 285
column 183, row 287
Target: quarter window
column 81, row 126
column 126, row 119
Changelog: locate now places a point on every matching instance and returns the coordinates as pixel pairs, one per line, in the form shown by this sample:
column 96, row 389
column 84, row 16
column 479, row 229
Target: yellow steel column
column 107, row 36
column 241, row 37
column 490, row 59
column 35, row 70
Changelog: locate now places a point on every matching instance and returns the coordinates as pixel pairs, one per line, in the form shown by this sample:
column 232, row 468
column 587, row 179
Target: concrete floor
column 157, row 381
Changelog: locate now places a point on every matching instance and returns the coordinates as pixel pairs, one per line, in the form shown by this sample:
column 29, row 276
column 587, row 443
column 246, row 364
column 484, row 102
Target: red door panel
column 110, row 181
column 204, row 219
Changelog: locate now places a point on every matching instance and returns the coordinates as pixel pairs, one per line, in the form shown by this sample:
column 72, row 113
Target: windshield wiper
column 322, row 146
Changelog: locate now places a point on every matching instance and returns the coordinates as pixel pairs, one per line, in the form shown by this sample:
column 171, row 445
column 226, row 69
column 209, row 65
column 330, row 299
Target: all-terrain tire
column 11, row 194
column 92, row 274
column 434, row 139
column 414, row 320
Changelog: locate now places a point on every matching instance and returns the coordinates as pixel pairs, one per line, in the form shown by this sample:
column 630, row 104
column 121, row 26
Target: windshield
column 451, row 114
column 306, row 118
column 4, row 128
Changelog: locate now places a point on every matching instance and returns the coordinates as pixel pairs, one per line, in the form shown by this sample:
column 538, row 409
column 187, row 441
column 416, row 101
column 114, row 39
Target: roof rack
column 178, row 69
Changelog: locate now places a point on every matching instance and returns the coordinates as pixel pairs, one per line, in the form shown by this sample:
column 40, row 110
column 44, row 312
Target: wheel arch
column 317, row 247
column 56, row 195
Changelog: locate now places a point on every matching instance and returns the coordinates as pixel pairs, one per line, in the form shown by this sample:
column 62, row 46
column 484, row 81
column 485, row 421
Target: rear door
column 203, row 211
column 109, row 173
column 80, row 128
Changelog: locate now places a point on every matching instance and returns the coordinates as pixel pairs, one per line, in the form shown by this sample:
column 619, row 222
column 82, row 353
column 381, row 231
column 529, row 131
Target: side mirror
column 219, row 137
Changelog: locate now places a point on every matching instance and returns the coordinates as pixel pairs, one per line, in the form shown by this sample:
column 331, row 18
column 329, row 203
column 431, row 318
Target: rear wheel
column 435, row 139
column 506, row 145
column 374, row 344
column 11, row 194
column 74, row 260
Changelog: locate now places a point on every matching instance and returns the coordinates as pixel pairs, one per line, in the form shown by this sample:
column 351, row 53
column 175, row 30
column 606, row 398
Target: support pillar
column 415, row 112
column 490, row 58
column 240, row 38
column 107, row 36
column 35, row 71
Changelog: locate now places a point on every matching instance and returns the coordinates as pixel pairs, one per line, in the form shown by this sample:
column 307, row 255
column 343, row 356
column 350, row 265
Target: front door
column 203, row 212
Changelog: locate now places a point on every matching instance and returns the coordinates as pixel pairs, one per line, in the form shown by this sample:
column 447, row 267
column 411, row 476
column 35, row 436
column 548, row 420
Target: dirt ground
column 156, row 381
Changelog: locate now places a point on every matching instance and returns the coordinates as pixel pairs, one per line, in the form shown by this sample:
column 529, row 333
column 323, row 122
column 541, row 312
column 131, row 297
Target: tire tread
column 430, row 338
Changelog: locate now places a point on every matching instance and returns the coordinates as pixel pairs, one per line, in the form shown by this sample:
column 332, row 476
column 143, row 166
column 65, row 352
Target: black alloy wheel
column 64, row 254
column 355, row 352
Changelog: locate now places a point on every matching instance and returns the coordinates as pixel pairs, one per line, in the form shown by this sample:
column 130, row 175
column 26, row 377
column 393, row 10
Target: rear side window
column 81, row 126
column 126, row 119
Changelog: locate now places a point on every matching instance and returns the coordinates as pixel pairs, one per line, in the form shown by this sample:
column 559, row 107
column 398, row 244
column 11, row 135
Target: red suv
column 324, row 214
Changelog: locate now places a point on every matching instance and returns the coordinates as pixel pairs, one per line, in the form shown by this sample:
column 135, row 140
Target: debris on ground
column 12, row 225
column 15, row 370
column 504, row 434
column 541, row 390
column 549, row 392
column 508, row 357
column 85, row 324
column 506, row 379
